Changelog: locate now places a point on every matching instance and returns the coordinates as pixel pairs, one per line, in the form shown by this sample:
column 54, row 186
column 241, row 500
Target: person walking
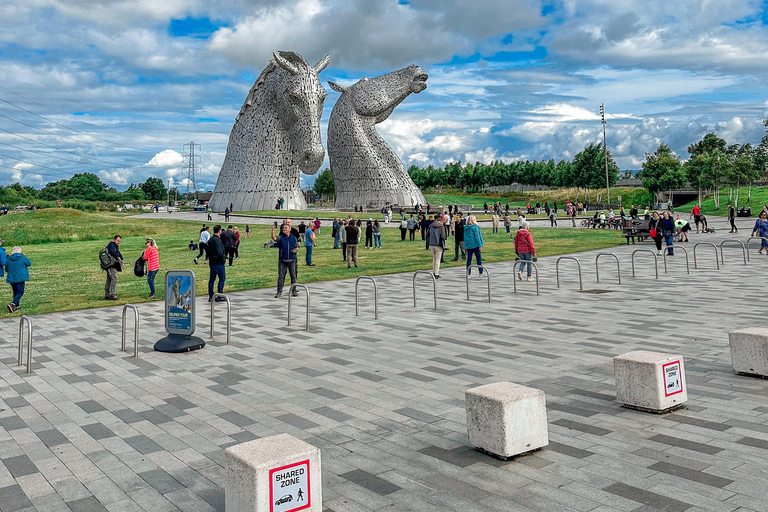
column 458, row 239
column 495, row 222
column 507, row 222
column 732, row 218
column 376, row 234
column 152, row 257
column 369, row 234
column 110, row 287
column 412, row 223
column 205, row 235
column 436, row 241
column 309, row 243
column 343, row 238
column 525, row 249
column 553, row 218
column 237, row 241
column 217, row 257
column 761, row 230
column 353, row 235
column 403, row 228
column 667, row 226
column 228, row 239
column 335, row 233
column 17, row 276
column 655, row 230
column 287, row 248
column 247, row 231
column 473, row 243
column 3, row 258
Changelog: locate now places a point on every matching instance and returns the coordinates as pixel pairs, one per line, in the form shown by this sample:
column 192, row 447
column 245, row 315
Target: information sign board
column 289, row 487
column 180, row 302
column 673, row 378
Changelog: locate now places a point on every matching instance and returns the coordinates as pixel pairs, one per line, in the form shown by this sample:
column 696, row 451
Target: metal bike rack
column 557, row 270
column 229, row 314
column 135, row 328
column 597, row 266
column 485, row 271
column 28, row 321
column 749, row 240
column 655, row 260
column 687, row 261
column 290, row 296
column 536, row 267
column 375, row 296
column 695, row 261
column 744, row 251
column 434, row 285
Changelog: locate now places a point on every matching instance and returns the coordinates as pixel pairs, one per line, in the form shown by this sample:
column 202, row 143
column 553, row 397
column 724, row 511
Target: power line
column 37, row 165
column 59, row 157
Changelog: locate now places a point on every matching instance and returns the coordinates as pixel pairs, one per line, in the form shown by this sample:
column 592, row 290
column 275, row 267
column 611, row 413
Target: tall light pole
column 605, row 151
column 168, row 196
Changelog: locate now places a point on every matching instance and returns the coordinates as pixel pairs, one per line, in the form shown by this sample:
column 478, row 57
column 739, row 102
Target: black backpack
column 106, row 260
column 139, row 268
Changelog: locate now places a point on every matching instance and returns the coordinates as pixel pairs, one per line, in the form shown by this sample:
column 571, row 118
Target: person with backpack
column 18, row 275
column 205, row 235
column 152, row 257
column 217, row 257
column 112, row 262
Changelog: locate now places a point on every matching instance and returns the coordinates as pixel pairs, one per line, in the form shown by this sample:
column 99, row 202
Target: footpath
column 93, row 429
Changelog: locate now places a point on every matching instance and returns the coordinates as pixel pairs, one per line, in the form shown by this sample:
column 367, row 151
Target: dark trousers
column 422, row 233
column 733, row 224
column 230, row 254
column 282, row 268
column 402, row 234
column 412, row 234
column 343, row 251
column 151, row 281
column 459, row 246
column 220, row 272
column 203, row 247
column 18, row 291
column 369, row 240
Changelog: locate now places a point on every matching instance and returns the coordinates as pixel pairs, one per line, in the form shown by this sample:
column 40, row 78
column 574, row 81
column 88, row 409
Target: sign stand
column 179, row 313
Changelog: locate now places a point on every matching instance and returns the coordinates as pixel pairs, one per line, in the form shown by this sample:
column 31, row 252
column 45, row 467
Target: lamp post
column 605, row 151
column 168, row 196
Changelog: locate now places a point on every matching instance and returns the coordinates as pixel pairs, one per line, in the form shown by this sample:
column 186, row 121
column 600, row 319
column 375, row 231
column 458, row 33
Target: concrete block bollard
column 273, row 474
column 650, row 381
column 749, row 351
column 506, row 419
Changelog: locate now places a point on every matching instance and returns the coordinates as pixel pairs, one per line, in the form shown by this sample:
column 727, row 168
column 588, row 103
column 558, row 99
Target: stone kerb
column 273, row 474
column 749, row 351
column 506, row 419
column 650, row 381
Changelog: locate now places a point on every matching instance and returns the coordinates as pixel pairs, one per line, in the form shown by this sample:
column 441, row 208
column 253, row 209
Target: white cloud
column 114, row 177
column 166, row 158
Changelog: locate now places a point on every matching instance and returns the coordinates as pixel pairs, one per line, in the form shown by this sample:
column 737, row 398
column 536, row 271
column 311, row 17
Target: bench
column 636, row 228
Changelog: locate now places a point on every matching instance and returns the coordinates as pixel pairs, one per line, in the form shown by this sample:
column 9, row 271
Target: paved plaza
column 93, row 428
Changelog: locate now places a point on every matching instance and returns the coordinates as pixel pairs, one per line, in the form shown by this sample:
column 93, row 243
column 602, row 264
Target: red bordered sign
column 289, row 487
column 673, row 378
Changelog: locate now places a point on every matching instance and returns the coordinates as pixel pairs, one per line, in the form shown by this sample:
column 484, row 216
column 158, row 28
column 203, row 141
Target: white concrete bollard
column 506, row 419
column 273, row 474
column 749, row 351
column 650, row 381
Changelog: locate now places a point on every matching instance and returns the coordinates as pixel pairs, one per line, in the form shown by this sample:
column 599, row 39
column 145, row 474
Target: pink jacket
column 524, row 242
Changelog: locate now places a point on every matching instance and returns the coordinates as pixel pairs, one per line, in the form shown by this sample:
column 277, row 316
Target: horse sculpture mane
column 365, row 169
column 276, row 136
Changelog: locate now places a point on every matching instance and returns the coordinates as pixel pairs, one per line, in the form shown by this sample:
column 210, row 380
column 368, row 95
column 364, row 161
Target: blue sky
column 118, row 87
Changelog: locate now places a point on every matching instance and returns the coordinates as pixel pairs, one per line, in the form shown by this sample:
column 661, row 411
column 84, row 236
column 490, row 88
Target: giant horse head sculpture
column 276, row 136
column 366, row 171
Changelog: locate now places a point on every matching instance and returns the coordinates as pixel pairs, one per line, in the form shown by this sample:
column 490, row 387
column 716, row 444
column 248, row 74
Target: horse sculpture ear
column 336, row 87
column 283, row 63
column 321, row 64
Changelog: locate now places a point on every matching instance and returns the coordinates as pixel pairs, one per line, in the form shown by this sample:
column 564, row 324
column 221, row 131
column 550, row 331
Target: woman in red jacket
column 524, row 248
column 152, row 257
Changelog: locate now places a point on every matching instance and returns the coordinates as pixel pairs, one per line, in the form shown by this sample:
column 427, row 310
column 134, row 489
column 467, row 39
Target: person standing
column 473, row 243
column 317, row 226
column 761, row 230
column 217, row 257
column 353, row 235
column 369, row 234
column 226, row 214
column 553, row 218
column 247, row 231
column 302, row 231
column 507, row 222
column 458, row 239
column 287, row 248
column 667, row 226
column 228, row 239
column 732, row 218
column 3, row 258
column 152, row 257
column 17, row 276
column 412, row 223
column 525, row 249
column 376, row 234
column 309, row 244
column 495, row 222
column 436, row 239
column 696, row 212
column 655, row 231
column 404, row 228
column 110, row 287
column 237, row 241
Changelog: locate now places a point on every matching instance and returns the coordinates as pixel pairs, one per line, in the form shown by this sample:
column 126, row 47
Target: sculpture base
column 179, row 343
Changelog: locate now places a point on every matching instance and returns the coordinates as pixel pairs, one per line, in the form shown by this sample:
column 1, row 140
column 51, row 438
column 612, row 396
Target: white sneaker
column 659, row 252
column 530, row 278
column 520, row 275
column 469, row 276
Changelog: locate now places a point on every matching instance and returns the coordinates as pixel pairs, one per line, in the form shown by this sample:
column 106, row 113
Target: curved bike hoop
column 655, row 260
column 536, row 267
column 749, row 240
column 434, row 285
column 485, row 272
column 744, row 251
column 687, row 261
column 135, row 328
column 290, row 296
column 25, row 319
column 557, row 270
column 375, row 296
column 597, row 266
column 695, row 261
column 229, row 314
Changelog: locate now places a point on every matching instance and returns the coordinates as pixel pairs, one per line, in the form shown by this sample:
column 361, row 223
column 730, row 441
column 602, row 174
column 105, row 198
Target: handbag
column 138, row 267
column 653, row 233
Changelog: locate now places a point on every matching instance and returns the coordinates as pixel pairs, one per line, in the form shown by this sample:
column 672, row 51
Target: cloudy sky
column 117, row 87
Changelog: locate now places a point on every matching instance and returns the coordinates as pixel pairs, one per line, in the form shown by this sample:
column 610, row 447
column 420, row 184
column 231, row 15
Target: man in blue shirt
column 287, row 247
column 309, row 244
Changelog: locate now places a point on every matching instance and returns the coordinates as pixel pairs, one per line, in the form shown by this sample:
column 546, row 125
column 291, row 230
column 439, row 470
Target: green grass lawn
column 63, row 246
column 758, row 199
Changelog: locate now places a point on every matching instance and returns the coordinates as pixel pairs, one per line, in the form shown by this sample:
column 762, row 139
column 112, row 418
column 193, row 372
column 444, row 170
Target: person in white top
column 205, row 235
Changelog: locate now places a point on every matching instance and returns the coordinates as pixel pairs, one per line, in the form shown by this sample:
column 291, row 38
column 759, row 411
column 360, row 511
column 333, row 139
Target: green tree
column 589, row 168
column 662, row 171
column 696, row 170
column 324, row 183
column 154, row 189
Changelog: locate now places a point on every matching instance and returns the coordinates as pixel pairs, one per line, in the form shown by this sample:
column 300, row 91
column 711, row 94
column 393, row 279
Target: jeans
column 18, row 291
column 507, row 228
column 282, row 267
column 309, row 253
column 151, row 280
column 476, row 252
column 220, row 271
column 377, row 240
column 437, row 254
column 110, row 287
column 526, row 256
column 669, row 239
column 412, row 234
column 495, row 230
column 336, row 240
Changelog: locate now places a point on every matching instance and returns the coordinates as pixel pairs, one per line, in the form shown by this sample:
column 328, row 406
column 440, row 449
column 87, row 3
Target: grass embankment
column 758, row 198
column 63, row 246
